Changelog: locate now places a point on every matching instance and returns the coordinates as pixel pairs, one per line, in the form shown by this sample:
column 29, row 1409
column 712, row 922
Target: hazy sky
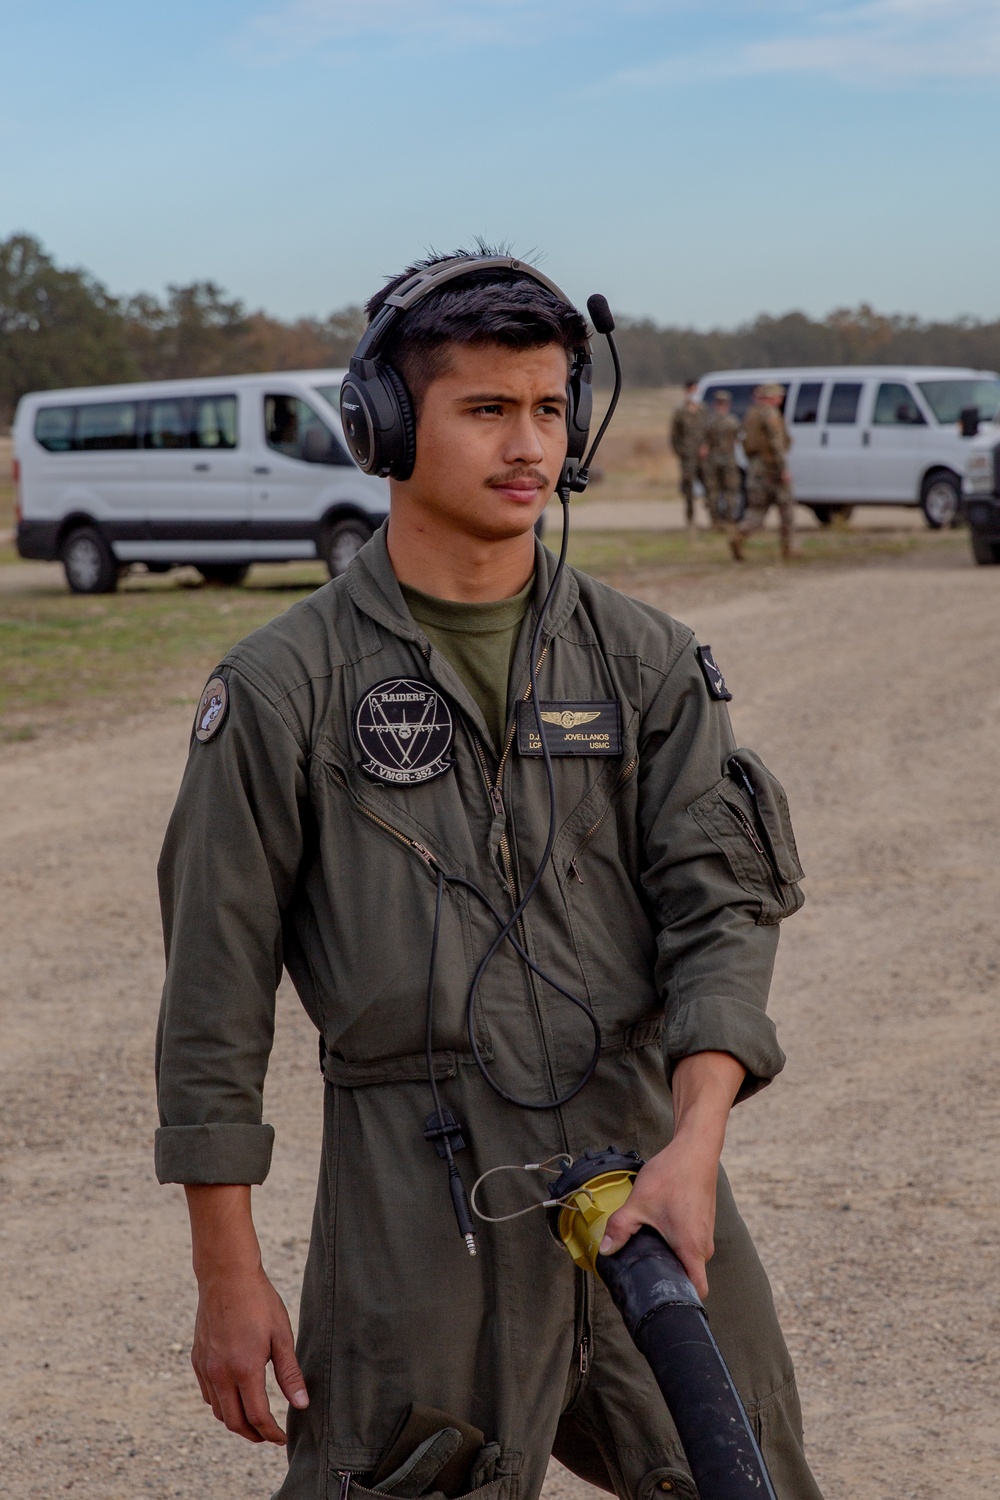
column 696, row 160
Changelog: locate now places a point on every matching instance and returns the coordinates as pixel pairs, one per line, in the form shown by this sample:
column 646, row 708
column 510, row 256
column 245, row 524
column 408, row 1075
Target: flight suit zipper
column 749, row 830
column 624, row 774
column 495, row 791
column 584, row 1338
column 765, row 853
column 397, row 833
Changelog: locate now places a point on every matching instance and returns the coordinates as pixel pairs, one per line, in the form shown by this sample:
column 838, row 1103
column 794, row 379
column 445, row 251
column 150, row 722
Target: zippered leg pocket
column 746, row 816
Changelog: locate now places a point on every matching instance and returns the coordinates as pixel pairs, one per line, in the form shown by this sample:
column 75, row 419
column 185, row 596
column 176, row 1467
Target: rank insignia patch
column 211, row 710
column 571, row 728
column 404, row 729
column 714, row 678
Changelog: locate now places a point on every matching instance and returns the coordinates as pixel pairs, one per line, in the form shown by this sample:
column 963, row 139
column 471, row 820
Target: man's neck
column 452, row 565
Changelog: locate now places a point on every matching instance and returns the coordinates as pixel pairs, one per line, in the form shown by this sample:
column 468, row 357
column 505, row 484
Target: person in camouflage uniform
column 686, row 436
column 766, row 442
column 720, row 471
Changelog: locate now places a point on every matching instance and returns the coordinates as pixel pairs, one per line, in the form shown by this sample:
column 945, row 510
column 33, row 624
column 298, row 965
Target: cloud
column 876, row 42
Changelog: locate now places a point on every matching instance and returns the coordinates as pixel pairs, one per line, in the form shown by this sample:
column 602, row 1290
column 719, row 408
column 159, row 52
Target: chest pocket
column 746, row 816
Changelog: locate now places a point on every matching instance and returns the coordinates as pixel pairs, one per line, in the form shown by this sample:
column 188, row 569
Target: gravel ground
column 867, row 1172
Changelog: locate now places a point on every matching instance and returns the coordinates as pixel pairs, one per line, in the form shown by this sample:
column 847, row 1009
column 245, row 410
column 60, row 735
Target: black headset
column 376, row 409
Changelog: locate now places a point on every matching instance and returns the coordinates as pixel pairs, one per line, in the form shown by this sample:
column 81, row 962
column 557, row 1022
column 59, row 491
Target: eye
column 491, row 409
column 549, row 409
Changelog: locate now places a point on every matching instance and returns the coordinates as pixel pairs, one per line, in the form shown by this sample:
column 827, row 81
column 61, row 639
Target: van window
column 54, row 428
column 214, row 422
column 807, row 401
column 742, row 397
column 293, row 428
column 895, row 407
column 844, row 400
column 946, row 398
column 106, row 425
column 166, row 424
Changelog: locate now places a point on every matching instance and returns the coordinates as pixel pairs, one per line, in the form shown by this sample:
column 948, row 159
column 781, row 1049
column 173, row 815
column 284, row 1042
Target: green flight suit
column 659, row 907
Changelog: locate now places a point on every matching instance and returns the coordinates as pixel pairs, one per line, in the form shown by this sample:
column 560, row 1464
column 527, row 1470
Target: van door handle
column 866, row 438
column 822, row 439
column 262, row 469
column 202, row 468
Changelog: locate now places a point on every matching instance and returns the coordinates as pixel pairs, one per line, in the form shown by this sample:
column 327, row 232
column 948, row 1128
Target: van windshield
column 946, row 398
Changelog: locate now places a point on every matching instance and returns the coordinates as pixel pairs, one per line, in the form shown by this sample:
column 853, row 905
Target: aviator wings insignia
column 569, row 719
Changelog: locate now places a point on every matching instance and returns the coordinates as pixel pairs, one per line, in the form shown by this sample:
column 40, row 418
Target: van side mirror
column 968, row 419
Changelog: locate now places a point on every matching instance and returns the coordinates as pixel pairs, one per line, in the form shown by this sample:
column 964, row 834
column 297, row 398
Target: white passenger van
column 874, row 434
column 219, row 473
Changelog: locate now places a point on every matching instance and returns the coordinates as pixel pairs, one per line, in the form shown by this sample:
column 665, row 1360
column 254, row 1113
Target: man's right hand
column 242, row 1323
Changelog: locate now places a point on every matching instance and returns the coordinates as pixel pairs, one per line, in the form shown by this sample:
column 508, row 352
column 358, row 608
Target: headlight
column 979, row 474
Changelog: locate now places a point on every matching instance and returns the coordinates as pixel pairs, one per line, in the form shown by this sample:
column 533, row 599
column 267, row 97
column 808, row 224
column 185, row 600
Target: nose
column 522, row 444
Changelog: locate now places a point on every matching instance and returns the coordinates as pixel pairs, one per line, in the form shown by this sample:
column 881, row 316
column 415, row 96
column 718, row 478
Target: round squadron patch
column 404, row 729
column 211, row 710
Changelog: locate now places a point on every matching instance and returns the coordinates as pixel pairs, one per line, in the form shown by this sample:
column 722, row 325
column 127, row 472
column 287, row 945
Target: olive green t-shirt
column 479, row 641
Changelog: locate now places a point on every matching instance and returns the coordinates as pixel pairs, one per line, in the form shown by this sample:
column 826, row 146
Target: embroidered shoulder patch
column 404, row 729
column 211, row 710
column 571, row 728
column 714, row 678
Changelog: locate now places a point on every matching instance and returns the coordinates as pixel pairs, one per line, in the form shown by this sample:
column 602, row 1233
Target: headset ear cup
column 405, row 444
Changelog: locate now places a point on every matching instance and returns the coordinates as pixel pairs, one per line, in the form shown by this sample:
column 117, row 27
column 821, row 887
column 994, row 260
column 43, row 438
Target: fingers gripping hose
column 665, row 1318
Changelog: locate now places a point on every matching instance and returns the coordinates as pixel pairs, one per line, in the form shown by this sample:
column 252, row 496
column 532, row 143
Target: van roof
column 200, row 384
column 905, row 372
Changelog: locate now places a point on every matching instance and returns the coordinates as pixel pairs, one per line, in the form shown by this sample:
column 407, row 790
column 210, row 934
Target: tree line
column 62, row 327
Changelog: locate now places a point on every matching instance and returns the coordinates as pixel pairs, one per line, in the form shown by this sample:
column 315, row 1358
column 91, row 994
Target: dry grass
column 635, row 461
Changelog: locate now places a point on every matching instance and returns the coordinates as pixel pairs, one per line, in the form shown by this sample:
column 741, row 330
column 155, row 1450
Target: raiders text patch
column 714, row 678
column 211, row 710
column 404, row 729
column 571, row 728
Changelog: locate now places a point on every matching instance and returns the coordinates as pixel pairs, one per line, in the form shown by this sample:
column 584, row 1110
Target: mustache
column 519, row 471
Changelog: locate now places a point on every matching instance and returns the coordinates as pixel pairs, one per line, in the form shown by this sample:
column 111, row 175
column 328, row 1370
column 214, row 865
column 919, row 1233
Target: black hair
column 689, row 383
column 495, row 306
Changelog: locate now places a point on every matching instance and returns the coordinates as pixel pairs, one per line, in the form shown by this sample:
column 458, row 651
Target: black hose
column 664, row 1315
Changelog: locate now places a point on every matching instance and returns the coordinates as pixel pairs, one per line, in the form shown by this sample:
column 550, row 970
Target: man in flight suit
column 686, row 436
column 766, row 441
column 369, row 740
column 719, row 467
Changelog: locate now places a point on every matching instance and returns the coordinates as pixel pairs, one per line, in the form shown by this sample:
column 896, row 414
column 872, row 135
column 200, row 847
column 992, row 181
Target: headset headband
column 422, row 283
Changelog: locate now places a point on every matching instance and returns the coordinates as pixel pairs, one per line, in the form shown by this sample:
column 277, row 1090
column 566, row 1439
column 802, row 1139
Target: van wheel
column 88, row 562
column 939, row 500
column 341, row 542
column 823, row 513
column 224, row 575
column 985, row 551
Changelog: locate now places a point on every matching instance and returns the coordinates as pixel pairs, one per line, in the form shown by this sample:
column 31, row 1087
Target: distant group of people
column 704, row 441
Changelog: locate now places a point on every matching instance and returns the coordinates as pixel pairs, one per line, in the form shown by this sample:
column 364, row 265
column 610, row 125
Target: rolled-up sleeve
column 715, row 955
column 227, row 871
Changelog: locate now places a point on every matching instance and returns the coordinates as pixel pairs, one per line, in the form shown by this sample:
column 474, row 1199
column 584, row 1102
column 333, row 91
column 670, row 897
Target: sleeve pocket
column 746, row 816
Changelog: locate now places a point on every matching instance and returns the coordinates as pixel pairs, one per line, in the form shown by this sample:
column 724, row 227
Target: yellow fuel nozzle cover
column 586, row 1209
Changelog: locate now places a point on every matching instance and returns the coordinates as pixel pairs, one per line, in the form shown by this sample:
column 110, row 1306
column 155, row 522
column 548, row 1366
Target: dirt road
column 868, row 1172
